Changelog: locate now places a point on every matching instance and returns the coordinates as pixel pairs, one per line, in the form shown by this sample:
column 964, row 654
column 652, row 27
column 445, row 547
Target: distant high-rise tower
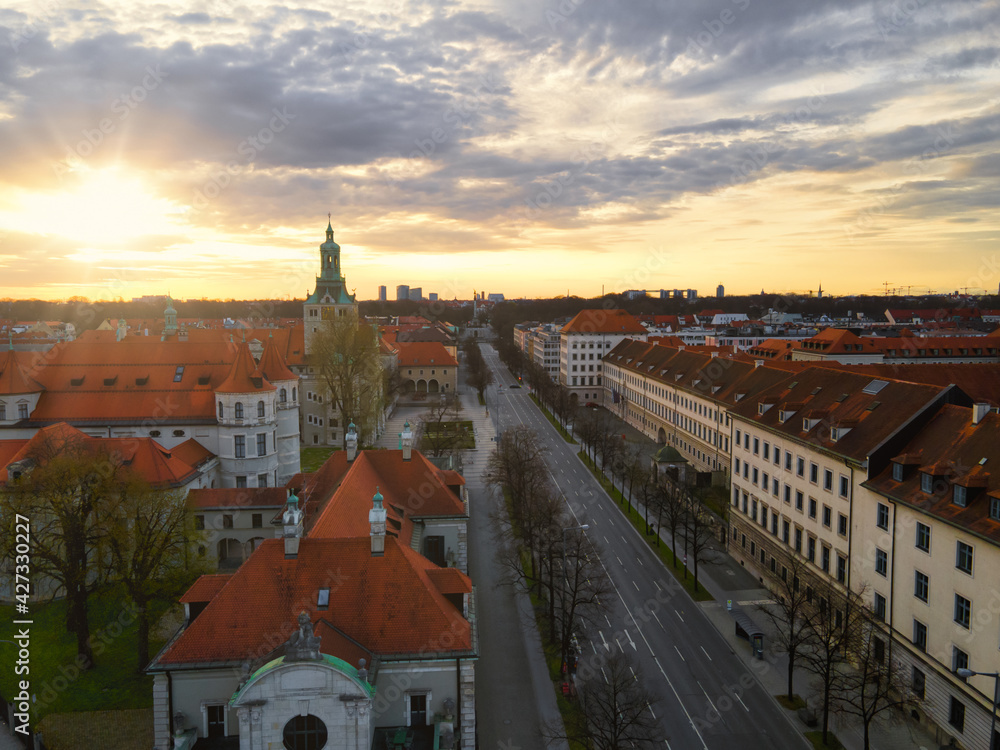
column 416, row 294
column 382, row 293
column 402, row 292
column 720, row 291
column 432, row 297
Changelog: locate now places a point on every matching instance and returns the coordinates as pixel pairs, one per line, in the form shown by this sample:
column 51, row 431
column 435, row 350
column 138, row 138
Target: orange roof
column 424, row 353
column 14, row 367
column 388, row 604
column 244, row 376
column 603, row 321
column 144, row 456
column 273, row 365
column 205, row 588
column 450, row 581
column 345, row 513
column 238, row 497
column 839, row 341
column 192, row 452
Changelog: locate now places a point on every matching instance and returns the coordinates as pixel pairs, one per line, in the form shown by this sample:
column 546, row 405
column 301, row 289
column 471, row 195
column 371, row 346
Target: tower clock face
column 378, row 528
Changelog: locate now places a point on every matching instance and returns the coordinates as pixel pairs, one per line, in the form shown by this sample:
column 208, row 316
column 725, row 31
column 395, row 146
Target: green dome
column 668, row 455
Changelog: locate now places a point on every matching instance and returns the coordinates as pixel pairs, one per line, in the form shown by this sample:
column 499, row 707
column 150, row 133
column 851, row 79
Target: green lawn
column 457, row 435
column 56, row 680
column 555, row 422
column 313, row 456
column 663, row 551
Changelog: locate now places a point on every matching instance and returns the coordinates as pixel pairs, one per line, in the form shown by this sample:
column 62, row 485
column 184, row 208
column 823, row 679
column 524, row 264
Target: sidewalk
column 725, row 579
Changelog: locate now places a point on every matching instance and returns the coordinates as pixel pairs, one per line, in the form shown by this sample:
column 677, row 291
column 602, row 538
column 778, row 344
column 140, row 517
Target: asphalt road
column 708, row 698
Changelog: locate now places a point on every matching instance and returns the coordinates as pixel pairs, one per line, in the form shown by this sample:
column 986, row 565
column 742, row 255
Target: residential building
column 382, row 293
column 235, row 521
column 720, row 291
column 402, row 292
column 426, row 367
column 432, row 297
column 416, row 294
column 583, row 343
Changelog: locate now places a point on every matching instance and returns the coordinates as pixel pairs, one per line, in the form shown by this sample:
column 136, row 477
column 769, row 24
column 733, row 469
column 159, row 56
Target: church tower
column 330, row 299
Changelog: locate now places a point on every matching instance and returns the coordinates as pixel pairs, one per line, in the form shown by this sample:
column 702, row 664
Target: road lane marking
column 657, row 584
column 736, row 695
column 619, row 561
column 706, row 696
column 657, row 620
column 706, row 653
column 679, row 653
column 678, row 615
column 636, row 585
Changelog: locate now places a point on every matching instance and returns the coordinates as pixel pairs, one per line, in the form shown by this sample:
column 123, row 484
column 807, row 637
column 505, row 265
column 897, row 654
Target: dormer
column 969, row 486
column 841, row 429
column 903, row 464
column 765, row 403
column 788, row 411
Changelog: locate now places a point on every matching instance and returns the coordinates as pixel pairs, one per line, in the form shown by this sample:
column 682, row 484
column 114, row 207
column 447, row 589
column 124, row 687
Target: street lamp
column 966, row 674
column 565, row 585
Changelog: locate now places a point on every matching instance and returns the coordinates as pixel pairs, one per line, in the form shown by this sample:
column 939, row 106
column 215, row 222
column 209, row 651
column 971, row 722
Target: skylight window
column 178, row 373
column 874, row 387
column 323, row 598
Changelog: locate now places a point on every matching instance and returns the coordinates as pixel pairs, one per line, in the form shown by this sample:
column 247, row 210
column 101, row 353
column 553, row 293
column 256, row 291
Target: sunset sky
column 529, row 147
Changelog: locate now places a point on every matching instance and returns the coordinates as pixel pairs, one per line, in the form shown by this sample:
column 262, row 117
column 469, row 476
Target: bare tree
column 585, row 587
column 438, row 430
column 832, row 617
column 787, row 611
column 671, row 510
column 699, row 532
column 616, row 706
column 345, row 353
column 875, row 686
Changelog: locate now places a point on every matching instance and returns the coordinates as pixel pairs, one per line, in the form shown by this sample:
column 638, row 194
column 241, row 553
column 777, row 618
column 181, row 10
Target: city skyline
column 532, row 149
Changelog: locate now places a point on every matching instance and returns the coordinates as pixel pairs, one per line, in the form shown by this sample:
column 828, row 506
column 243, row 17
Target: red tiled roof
column 205, row 588
column 144, row 456
column 980, row 381
column 244, row 376
column 192, row 452
column 388, row 604
column 603, row 321
column 273, row 365
column 424, row 353
column 238, row 497
column 839, row 341
column 14, row 369
column 450, row 581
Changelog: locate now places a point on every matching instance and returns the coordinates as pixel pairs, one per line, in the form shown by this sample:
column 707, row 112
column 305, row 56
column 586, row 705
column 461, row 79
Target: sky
column 526, row 147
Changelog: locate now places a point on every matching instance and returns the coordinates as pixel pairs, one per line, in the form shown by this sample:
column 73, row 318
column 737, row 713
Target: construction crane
column 886, row 285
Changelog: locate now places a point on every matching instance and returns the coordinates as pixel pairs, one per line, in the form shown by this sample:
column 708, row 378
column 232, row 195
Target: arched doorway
column 421, row 386
column 433, row 387
column 230, row 553
column 661, row 437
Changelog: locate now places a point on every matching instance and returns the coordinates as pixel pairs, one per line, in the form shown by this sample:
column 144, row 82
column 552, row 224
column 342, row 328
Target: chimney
column 376, row 519
column 352, row 442
column 979, row 411
column 292, row 521
column 758, row 363
column 407, row 441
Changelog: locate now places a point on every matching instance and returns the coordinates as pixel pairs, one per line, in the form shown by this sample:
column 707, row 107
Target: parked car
column 591, row 403
column 515, row 386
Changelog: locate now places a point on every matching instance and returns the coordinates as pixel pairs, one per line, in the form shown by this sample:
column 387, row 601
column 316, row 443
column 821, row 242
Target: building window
column 879, row 606
column 800, row 466
column 22, row 411
column 240, row 446
column 798, row 500
column 918, row 683
column 825, row 564
column 963, row 611
column 241, row 482
column 227, row 521
column 257, row 519
column 262, row 444
column 995, row 508
column 813, row 473
column 882, row 516
column 959, row 659
column 283, row 395
column 788, row 495
column 923, row 537
column 845, row 486
column 963, row 557
column 304, row 733
column 841, row 569
column 827, row 480
column 811, row 549
column 788, row 461
column 878, row 650
column 960, row 496
column 260, row 409
column 812, row 508
column 199, row 522
column 881, row 562
column 956, row 714
column 921, row 585
column 798, row 540
column 767, row 451
column 178, row 373
column 827, row 516
column 262, row 480
column 238, row 410
column 897, row 472
column 842, row 524
column 926, row 482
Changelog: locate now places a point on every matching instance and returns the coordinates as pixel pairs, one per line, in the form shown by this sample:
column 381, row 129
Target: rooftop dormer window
column 77, row 381
column 898, row 472
column 926, row 482
column 323, row 598
column 960, row 496
column 995, row 508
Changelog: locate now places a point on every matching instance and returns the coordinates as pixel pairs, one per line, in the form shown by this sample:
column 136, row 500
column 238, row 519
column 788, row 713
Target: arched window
column 283, row 395
column 295, row 396
column 260, row 408
column 304, row 733
column 221, row 410
column 239, row 410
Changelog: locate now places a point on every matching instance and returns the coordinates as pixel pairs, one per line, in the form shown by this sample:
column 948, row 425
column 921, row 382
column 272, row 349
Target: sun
column 104, row 208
